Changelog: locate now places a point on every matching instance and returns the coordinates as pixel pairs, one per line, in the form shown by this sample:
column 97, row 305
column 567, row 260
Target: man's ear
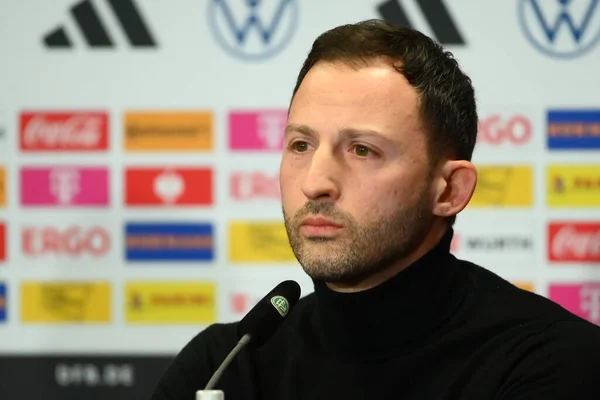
column 453, row 187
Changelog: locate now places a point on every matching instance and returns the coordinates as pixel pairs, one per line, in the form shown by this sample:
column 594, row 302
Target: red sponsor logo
column 254, row 185
column 574, row 242
column 2, row 242
column 64, row 131
column 455, row 243
column 497, row 129
column 241, row 303
column 73, row 241
column 171, row 186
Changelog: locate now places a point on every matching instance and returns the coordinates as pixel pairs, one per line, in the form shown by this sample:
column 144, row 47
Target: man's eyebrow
column 346, row 133
column 302, row 129
column 350, row 133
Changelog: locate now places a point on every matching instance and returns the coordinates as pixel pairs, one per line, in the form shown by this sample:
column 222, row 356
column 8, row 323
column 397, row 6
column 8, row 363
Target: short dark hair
column 446, row 96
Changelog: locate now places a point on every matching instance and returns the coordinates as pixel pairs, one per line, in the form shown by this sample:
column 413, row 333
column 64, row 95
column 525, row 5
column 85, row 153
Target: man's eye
column 300, row 146
column 362, row 151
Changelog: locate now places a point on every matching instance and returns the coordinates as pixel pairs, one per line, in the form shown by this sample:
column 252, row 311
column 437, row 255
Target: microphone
column 260, row 323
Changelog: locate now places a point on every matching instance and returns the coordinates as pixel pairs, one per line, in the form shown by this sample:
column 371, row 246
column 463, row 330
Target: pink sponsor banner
column 582, row 299
column 64, row 186
column 257, row 130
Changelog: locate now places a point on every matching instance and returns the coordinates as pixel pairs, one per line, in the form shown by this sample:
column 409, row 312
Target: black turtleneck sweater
column 442, row 329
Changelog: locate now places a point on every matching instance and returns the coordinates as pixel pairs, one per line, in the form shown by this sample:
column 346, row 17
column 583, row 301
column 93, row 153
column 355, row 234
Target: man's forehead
column 365, row 87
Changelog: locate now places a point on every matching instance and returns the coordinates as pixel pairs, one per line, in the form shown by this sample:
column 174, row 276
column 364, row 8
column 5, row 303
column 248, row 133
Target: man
column 375, row 167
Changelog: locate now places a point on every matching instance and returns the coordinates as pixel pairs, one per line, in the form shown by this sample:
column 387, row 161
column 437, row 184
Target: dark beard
column 365, row 250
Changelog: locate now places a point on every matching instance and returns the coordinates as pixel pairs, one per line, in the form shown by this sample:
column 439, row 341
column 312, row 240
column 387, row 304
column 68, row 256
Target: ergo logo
column 496, row 129
column 73, row 241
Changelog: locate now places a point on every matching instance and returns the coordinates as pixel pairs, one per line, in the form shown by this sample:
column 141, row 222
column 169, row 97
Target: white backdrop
column 198, row 69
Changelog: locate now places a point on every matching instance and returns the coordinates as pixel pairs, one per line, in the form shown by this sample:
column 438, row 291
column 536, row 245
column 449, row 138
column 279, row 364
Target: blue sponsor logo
column 3, row 302
column 169, row 242
column 573, row 129
column 253, row 29
column 561, row 28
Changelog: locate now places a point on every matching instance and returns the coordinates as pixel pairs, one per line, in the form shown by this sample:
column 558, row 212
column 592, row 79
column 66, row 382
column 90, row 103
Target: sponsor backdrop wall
column 139, row 150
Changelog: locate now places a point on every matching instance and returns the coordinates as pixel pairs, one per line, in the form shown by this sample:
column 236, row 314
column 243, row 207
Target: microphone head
column 267, row 315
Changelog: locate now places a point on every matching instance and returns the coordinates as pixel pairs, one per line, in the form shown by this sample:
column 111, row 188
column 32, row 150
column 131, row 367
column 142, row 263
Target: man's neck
column 431, row 239
column 398, row 313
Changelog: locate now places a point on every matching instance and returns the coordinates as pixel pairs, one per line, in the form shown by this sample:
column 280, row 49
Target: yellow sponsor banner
column 263, row 242
column 2, row 187
column 503, row 186
column 66, row 302
column 168, row 131
column 172, row 302
column 525, row 286
column 573, row 185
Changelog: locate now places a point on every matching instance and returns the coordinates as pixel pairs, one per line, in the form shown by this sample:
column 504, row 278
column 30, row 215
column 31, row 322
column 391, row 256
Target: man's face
column 354, row 175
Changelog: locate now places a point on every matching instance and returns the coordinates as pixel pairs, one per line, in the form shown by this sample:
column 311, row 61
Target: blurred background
column 139, row 155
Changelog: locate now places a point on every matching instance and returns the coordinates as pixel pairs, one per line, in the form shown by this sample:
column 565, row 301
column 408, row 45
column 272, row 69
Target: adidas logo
column 443, row 27
column 94, row 29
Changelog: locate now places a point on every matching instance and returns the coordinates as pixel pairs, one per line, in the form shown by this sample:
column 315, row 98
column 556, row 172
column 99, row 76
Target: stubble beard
column 364, row 250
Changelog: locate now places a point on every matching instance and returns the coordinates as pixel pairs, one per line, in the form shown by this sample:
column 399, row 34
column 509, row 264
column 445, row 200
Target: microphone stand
column 209, row 393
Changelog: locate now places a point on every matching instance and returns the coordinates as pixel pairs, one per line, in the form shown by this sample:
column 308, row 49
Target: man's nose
column 322, row 180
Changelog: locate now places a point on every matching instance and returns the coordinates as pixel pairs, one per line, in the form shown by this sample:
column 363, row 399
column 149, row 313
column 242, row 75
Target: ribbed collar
column 404, row 311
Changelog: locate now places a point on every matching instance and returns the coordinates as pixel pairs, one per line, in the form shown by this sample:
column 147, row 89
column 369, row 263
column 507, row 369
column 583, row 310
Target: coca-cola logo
column 497, row 129
column 574, row 242
column 58, row 131
column 74, row 241
column 254, row 185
